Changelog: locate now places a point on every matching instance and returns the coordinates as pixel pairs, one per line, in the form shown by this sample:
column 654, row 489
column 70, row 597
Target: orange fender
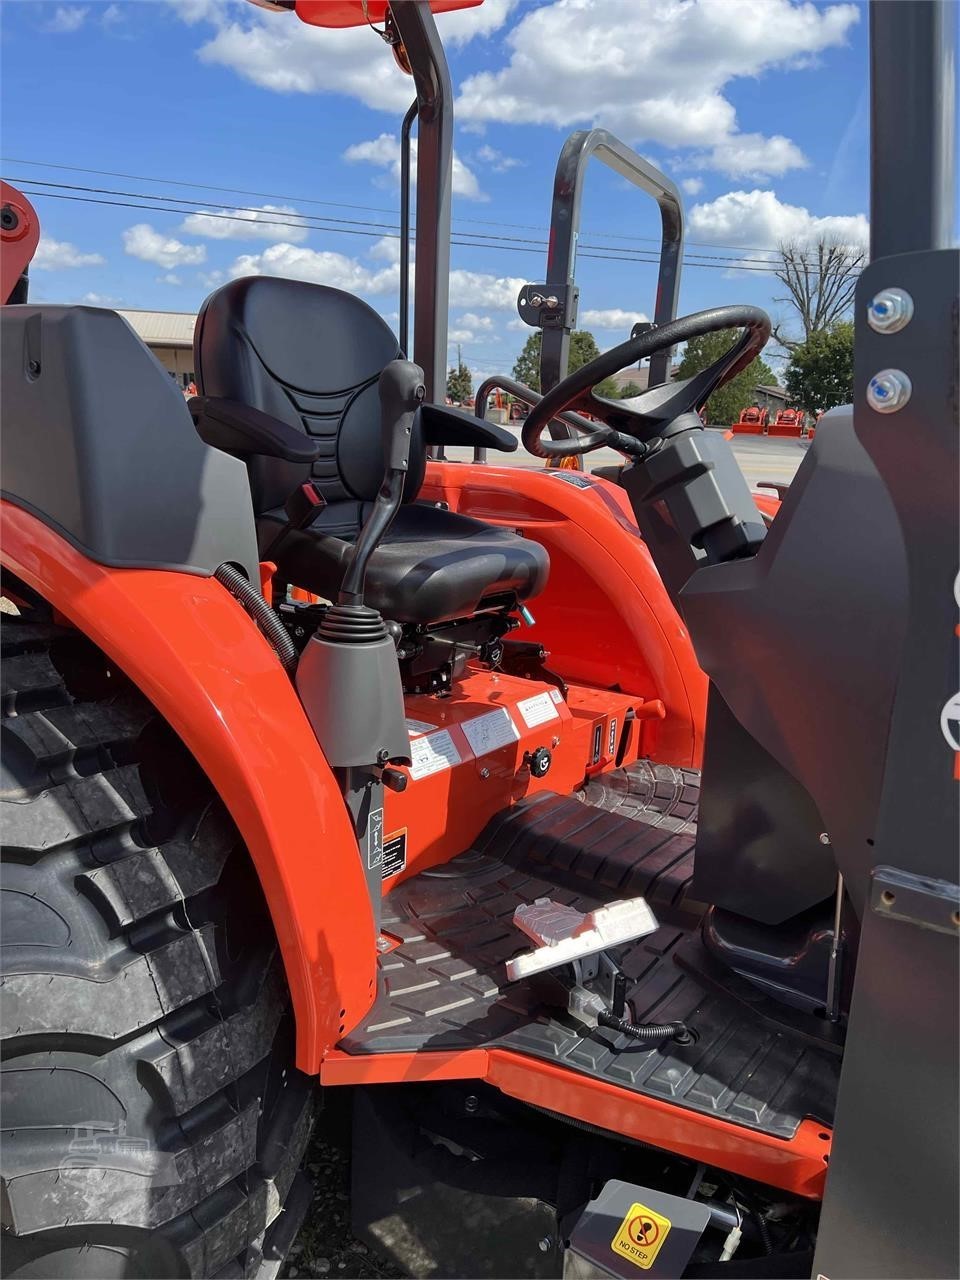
column 194, row 652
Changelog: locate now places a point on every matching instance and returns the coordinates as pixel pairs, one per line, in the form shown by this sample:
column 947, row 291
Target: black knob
column 394, row 779
column 539, row 762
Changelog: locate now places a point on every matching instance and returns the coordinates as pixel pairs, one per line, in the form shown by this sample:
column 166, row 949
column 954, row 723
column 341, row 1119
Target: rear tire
column 153, row 1121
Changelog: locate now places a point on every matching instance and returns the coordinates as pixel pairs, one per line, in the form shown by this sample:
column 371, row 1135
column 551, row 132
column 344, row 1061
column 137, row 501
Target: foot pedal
column 565, row 935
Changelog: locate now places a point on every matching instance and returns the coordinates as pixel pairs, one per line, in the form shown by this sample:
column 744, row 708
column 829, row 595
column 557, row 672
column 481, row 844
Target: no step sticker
column 641, row 1236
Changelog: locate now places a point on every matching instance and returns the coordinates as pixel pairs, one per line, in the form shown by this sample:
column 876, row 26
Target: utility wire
column 264, row 195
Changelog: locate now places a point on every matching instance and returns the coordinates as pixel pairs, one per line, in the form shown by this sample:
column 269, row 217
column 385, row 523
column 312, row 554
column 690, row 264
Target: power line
column 356, row 227
column 264, row 195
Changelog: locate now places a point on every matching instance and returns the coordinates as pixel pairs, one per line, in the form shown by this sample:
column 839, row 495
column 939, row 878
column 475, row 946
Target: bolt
column 555, row 742
column 545, row 1245
column 889, row 390
column 890, row 311
column 484, row 772
column 471, row 1103
column 824, row 838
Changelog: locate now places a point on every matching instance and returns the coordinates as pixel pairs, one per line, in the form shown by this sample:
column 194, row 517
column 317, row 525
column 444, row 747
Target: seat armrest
column 442, row 424
column 246, row 432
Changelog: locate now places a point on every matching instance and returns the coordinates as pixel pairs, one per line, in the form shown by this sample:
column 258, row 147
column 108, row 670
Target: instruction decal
column 394, row 853
column 375, row 839
column 641, row 1236
column 538, row 710
column 612, row 739
column 416, row 727
column 490, row 732
column 556, row 696
column 432, row 753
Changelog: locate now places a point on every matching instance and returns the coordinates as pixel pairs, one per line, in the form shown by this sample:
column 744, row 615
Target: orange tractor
column 788, row 422
column 753, row 421
column 328, row 762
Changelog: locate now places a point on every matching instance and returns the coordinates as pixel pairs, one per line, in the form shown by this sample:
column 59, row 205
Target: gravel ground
column 325, row 1245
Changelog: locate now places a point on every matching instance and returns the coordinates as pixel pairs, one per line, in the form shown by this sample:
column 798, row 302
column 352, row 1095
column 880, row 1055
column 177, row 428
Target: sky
column 757, row 109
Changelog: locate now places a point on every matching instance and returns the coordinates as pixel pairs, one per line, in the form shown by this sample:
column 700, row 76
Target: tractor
column 590, row 839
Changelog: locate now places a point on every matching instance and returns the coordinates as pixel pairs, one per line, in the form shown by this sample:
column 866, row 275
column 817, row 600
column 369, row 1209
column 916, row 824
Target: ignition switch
column 539, row 762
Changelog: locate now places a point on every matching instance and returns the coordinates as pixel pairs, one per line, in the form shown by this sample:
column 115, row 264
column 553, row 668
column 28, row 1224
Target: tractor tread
column 132, row 1023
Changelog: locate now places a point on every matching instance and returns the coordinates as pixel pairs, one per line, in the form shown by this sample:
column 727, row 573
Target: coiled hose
column 258, row 609
column 654, row 1033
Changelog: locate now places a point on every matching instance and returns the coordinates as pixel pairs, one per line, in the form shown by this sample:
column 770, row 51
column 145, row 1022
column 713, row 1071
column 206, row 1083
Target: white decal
column 418, row 726
column 487, row 733
column 432, row 754
column 537, row 710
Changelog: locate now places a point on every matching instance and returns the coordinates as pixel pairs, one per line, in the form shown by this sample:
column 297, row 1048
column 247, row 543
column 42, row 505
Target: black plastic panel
column 98, row 442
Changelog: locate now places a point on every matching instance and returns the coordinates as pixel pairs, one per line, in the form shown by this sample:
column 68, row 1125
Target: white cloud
column 318, row 267
column 169, row 278
column 269, row 222
column 99, row 300
column 387, row 249
column 384, row 152
column 210, row 279
column 471, row 327
column 516, row 325
column 480, row 324
column 655, row 70
column 612, row 319
column 111, row 15
column 142, row 241
column 462, row 25
column 67, row 18
column 692, row 186
column 54, row 255
column 757, row 219
column 496, row 160
column 477, row 289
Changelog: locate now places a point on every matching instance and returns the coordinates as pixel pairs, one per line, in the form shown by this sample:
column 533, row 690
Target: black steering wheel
column 633, row 426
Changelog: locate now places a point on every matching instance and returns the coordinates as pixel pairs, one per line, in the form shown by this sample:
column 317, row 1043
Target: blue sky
column 757, row 108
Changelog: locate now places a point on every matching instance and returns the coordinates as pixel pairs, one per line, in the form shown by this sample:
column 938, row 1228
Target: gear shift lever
column 401, row 394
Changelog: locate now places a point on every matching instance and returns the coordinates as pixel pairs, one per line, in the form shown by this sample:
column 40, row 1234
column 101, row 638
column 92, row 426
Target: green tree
column 629, row 390
column 459, row 384
column 820, row 373
column 583, row 349
column 723, row 407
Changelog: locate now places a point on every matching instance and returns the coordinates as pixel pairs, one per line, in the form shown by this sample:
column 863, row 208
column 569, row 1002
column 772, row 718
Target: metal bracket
column 931, row 904
column 549, row 306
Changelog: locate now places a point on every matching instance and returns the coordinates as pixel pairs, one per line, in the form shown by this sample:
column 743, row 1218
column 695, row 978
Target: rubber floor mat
column 444, row 985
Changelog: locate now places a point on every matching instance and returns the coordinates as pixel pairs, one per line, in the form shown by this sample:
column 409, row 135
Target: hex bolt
column 484, row 773
column 545, row 1245
column 471, row 1103
column 824, row 838
column 889, row 390
column 890, row 310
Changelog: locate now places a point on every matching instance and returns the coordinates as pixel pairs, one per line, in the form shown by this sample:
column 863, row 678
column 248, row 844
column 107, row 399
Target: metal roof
column 162, row 328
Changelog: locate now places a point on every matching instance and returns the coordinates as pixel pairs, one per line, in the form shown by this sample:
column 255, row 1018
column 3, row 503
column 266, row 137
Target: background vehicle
column 252, row 839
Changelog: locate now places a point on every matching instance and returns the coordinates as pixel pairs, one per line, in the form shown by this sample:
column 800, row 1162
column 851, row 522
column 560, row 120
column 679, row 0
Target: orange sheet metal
column 797, row 1165
column 193, row 651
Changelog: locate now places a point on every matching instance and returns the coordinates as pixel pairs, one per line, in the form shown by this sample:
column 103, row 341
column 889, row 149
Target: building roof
column 162, row 328
column 775, row 393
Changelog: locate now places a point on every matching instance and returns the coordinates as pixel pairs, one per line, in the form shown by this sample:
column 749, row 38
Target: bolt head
column 545, row 1245
column 824, row 838
column 889, row 311
column 889, row 390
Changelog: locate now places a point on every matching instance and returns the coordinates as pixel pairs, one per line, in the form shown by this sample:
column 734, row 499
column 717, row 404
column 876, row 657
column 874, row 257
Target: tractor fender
column 191, row 649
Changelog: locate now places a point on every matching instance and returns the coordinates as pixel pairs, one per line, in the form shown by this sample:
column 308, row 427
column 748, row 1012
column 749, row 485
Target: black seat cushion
column 433, row 565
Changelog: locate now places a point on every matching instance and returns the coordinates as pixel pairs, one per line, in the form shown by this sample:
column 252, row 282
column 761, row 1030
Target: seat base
column 433, row 565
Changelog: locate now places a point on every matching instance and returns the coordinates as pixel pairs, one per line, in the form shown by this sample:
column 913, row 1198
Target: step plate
column 444, row 985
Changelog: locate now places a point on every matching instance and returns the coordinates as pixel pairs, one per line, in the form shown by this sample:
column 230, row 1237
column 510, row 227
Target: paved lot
column 760, row 457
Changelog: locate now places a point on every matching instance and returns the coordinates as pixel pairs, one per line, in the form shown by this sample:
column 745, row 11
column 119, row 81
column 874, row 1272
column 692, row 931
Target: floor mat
column 444, row 985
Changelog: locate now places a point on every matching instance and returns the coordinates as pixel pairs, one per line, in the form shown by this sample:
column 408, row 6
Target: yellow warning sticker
column 641, row 1236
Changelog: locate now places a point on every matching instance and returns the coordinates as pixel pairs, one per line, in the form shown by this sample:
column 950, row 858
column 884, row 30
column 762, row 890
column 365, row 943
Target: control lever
column 402, row 392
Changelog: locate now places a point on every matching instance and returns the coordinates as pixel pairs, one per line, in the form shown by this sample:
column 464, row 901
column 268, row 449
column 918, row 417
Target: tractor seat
column 311, row 357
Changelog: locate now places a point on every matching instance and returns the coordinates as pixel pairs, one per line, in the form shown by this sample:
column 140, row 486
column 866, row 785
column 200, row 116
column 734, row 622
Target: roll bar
column 552, row 306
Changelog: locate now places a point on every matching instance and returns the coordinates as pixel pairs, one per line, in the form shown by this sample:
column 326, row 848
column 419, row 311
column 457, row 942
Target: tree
column 723, row 407
column 583, row 349
column 629, row 390
column 459, row 384
column 820, row 374
column 820, row 280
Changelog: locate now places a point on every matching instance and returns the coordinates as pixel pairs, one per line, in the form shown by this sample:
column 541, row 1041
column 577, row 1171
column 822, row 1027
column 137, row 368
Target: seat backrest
column 311, row 356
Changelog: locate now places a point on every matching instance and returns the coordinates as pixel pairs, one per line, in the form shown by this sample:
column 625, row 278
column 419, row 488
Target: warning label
column 394, row 853
column 641, row 1236
column 416, row 727
column 537, row 710
column 490, row 732
column 432, row 753
column 375, row 839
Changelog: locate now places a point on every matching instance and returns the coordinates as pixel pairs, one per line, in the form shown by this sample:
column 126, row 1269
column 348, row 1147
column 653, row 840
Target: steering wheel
column 633, row 426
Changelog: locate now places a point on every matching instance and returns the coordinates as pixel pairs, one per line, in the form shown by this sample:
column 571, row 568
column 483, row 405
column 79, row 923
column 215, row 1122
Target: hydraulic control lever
column 401, row 394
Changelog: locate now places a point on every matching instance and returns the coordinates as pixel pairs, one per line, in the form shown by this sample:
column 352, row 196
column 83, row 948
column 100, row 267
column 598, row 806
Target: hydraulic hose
column 654, row 1033
column 258, row 609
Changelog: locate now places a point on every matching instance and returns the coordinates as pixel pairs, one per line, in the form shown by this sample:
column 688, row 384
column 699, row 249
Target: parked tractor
column 753, row 421
column 591, row 841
